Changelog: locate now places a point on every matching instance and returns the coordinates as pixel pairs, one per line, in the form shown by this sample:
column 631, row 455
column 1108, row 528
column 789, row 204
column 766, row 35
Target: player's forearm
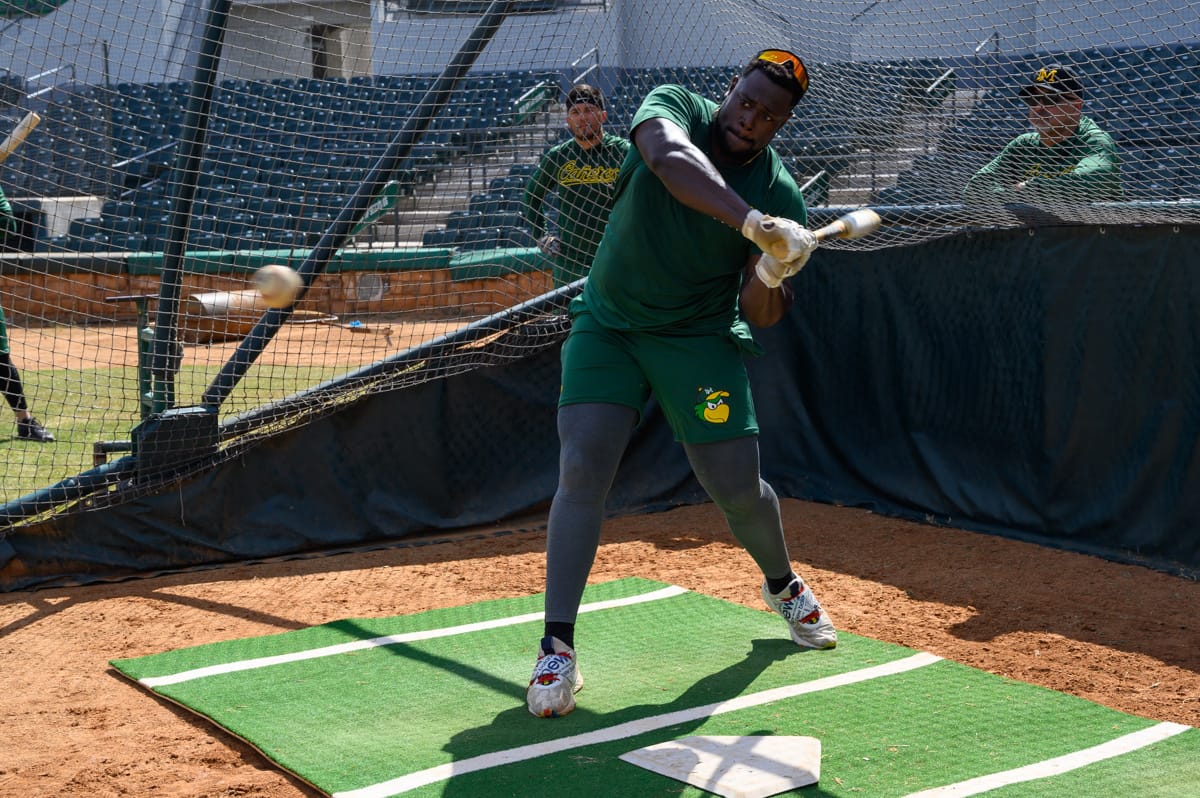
column 760, row 305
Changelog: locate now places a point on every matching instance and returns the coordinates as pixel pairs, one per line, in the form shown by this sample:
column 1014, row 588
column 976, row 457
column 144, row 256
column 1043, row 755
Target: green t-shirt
column 585, row 180
column 667, row 268
column 1082, row 168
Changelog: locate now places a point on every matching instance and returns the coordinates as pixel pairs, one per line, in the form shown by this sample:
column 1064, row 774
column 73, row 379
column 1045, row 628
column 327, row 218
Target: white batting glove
column 784, row 239
column 550, row 246
column 772, row 272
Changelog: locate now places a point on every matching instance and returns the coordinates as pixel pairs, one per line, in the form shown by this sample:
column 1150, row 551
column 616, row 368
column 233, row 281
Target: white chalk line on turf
column 389, row 640
column 433, row 775
column 1057, row 765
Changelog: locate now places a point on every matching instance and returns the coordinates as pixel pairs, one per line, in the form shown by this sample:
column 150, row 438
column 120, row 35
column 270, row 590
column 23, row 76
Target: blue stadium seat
column 229, row 223
column 205, row 241
column 314, row 221
column 479, row 238
column 96, row 242
column 53, row 244
column 131, row 242
column 246, row 238
column 122, row 225
column 507, row 182
column 516, row 237
column 441, row 237
column 117, row 208
column 510, row 220
column 287, row 238
column 463, row 220
column 86, row 227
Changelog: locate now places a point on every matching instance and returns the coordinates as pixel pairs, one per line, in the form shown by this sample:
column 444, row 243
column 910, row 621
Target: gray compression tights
column 593, row 438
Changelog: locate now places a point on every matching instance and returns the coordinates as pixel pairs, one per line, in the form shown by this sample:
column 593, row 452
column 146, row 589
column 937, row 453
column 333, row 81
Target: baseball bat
column 18, row 134
column 855, row 224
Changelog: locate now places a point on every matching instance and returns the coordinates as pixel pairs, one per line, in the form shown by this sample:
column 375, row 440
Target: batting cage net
column 411, row 160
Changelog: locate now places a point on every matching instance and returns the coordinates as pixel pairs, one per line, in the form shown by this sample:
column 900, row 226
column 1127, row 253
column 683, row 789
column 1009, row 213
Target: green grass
column 82, row 406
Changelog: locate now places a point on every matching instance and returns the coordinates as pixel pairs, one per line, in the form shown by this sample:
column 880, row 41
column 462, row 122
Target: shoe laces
column 802, row 607
column 550, row 665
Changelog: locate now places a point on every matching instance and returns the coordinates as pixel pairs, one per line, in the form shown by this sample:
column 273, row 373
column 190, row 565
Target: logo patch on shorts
column 712, row 406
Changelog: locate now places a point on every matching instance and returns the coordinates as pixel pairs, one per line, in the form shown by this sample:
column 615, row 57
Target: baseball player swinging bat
column 18, row 134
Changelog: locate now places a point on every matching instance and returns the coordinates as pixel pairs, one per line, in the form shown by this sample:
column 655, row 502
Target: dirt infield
column 1119, row 635
column 316, row 343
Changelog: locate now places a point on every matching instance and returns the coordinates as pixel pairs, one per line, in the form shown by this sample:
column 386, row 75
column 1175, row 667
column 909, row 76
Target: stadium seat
column 96, row 242
column 205, row 241
column 117, row 208
column 122, row 225
column 86, row 227
column 283, row 238
column 441, row 237
column 230, row 223
column 508, row 220
column 53, row 244
column 245, row 238
column 463, row 220
column 479, row 238
column 516, row 237
column 509, row 181
column 129, row 242
column 314, row 221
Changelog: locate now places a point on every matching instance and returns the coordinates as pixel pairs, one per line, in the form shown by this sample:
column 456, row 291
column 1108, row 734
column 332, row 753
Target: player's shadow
column 498, row 734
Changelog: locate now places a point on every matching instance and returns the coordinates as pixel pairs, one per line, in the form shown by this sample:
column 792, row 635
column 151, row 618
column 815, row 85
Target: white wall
column 265, row 42
column 146, row 38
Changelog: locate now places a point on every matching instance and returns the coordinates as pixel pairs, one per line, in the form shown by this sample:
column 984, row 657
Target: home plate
column 735, row 767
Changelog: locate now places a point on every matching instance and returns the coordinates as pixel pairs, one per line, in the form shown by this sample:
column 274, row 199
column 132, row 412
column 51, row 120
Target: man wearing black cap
column 1067, row 157
column 583, row 171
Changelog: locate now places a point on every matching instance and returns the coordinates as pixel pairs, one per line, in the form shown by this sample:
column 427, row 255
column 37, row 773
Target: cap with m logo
column 1054, row 78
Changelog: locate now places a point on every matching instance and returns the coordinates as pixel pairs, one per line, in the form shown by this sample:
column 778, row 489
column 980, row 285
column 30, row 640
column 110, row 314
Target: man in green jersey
column 675, row 280
column 28, row 428
column 1066, row 159
column 583, row 171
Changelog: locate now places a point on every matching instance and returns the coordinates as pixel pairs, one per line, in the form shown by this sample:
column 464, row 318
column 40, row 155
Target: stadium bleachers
column 492, row 218
column 296, row 146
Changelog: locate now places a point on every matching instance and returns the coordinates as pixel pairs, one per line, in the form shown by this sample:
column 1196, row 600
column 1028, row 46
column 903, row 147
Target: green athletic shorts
column 3, row 334
column 699, row 380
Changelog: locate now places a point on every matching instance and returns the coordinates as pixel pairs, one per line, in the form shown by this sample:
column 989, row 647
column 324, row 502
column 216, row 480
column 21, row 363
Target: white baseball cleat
column 808, row 623
column 556, row 680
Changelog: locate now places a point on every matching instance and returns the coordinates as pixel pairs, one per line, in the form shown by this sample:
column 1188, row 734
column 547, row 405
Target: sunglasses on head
column 789, row 60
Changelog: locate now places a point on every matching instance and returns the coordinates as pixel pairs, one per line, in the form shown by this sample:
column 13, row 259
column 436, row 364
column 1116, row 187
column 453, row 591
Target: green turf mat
column 433, row 704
